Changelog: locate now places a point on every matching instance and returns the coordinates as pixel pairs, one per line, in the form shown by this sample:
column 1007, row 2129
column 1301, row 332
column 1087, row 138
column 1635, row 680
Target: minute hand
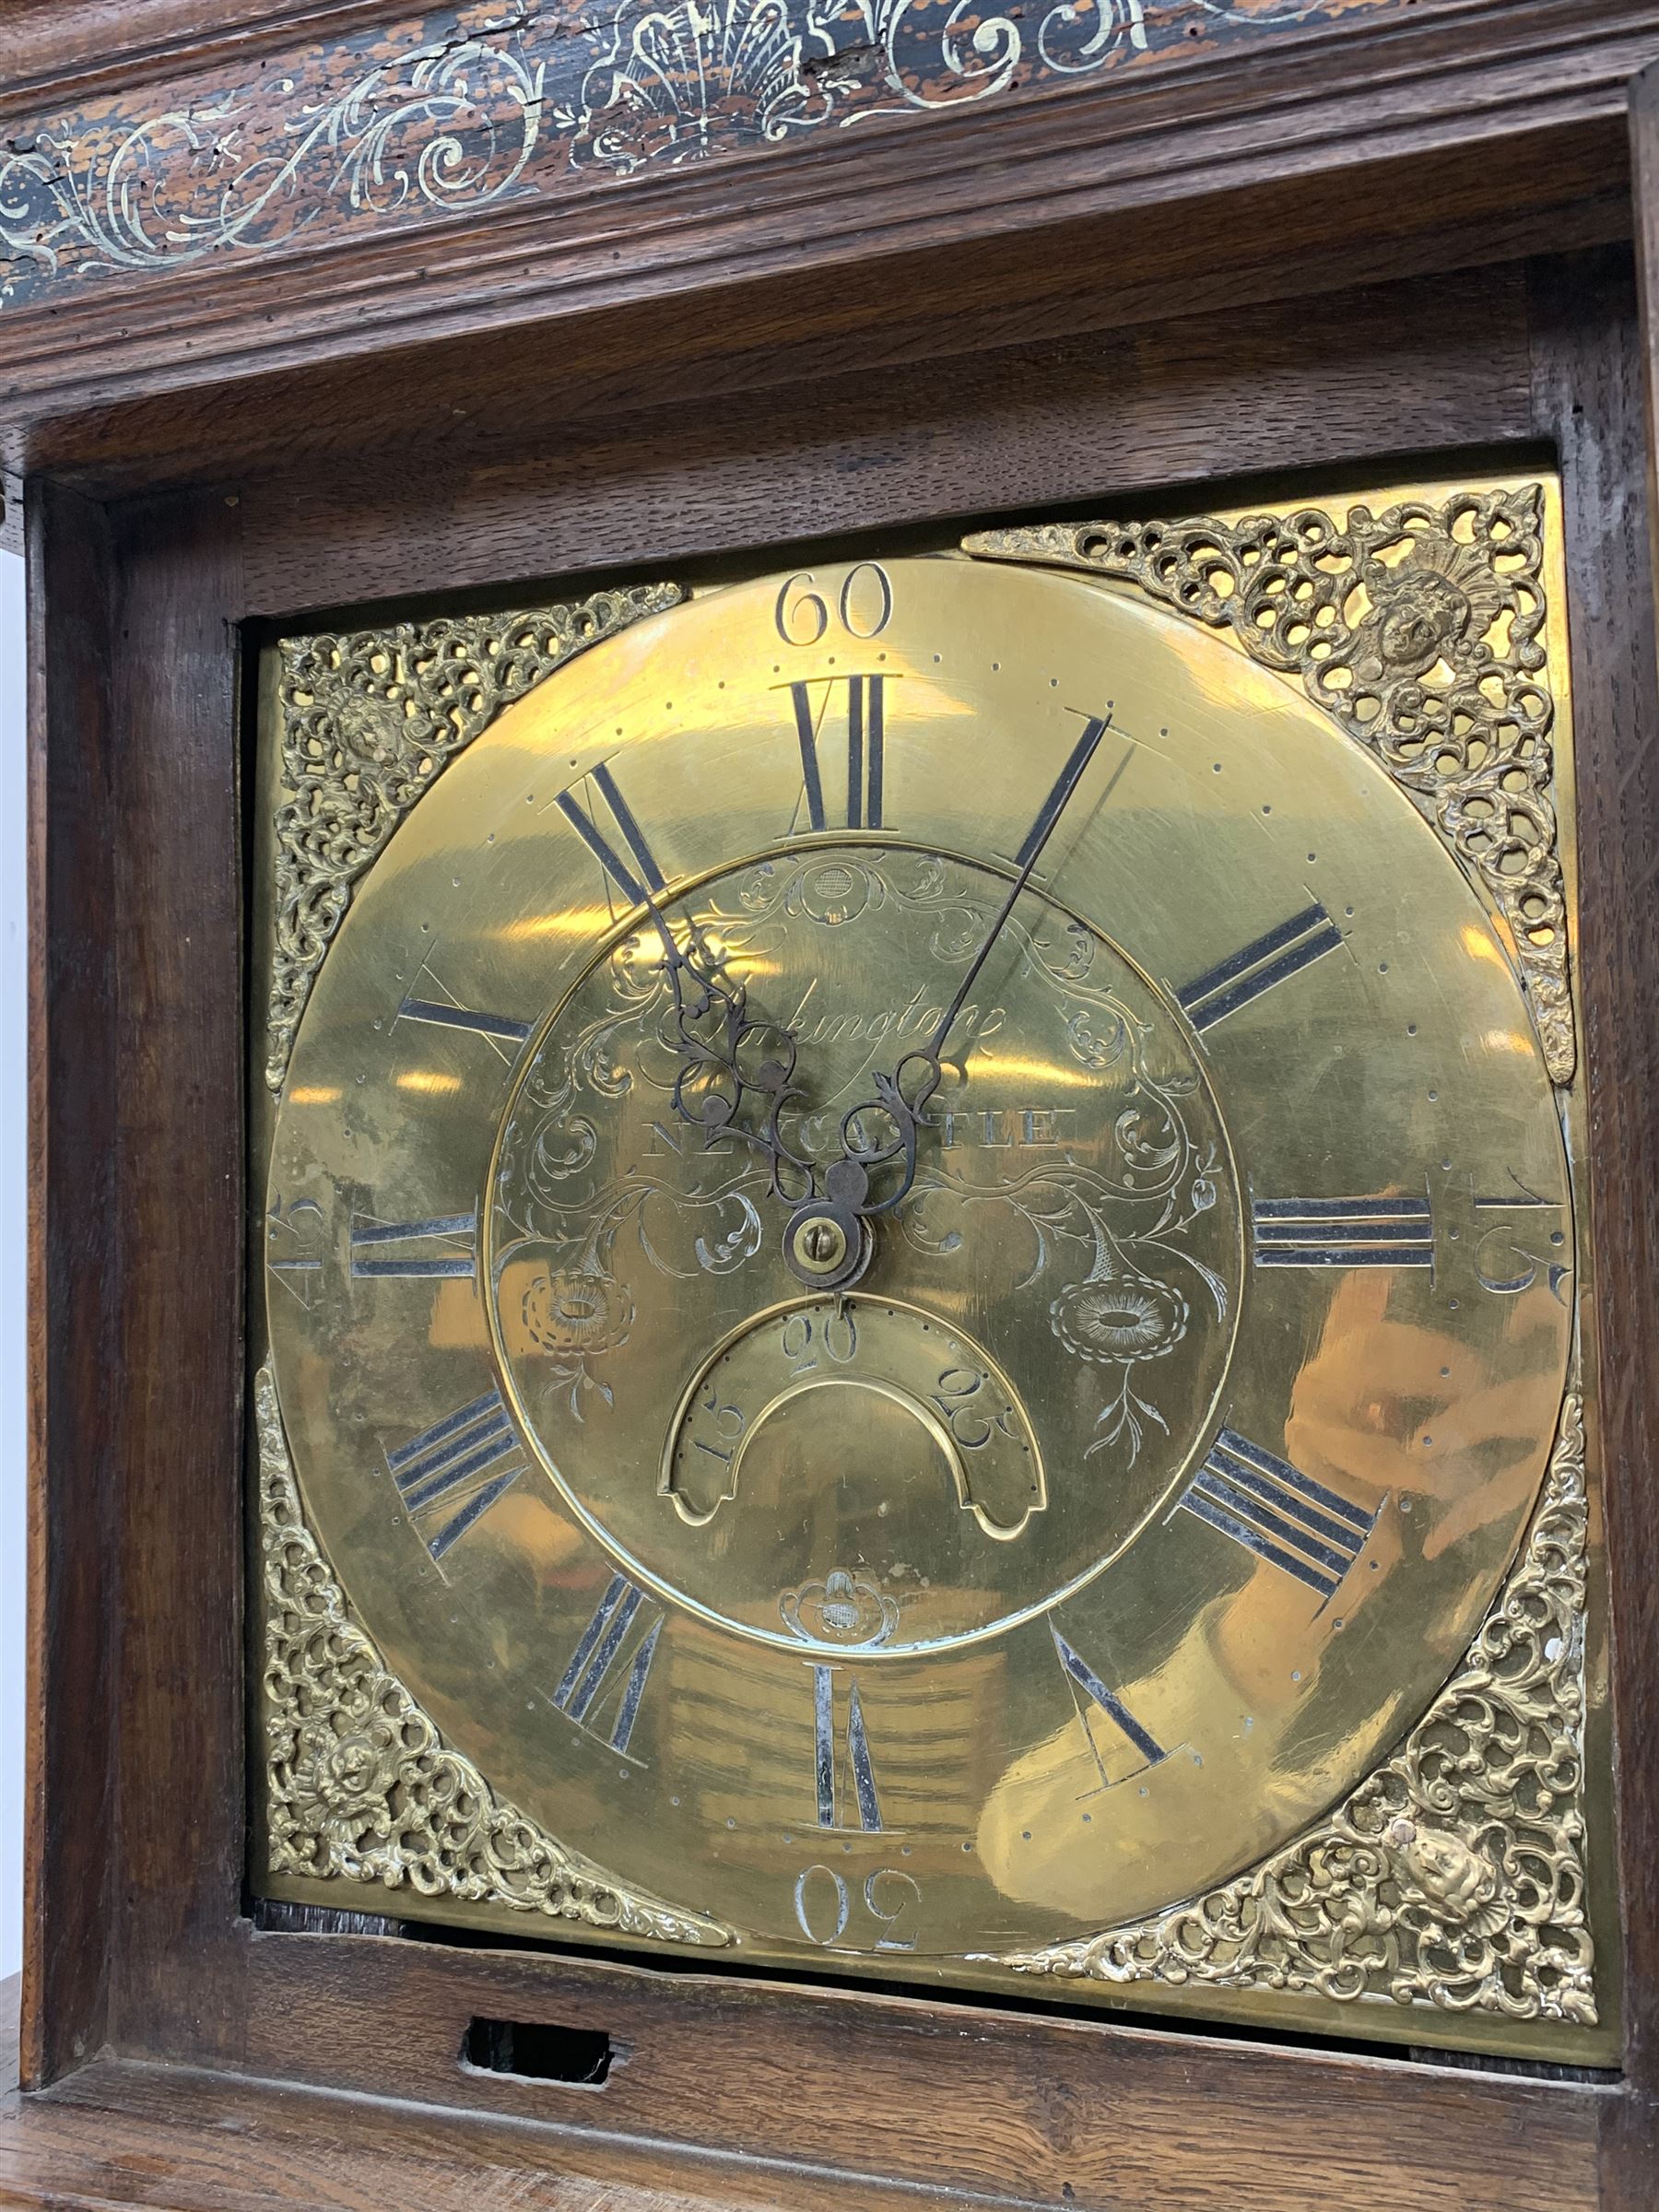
column 907, row 1112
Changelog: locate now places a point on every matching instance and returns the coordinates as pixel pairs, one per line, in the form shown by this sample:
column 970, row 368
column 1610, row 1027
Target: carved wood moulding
column 461, row 108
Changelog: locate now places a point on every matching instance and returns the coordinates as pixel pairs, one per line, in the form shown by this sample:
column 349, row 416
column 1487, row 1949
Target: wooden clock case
column 1417, row 240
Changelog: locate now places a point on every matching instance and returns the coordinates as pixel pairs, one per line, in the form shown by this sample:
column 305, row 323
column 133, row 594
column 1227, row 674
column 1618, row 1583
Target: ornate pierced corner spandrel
column 361, row 1786
column 369, row 720
column 1454, row 1877
column 1421, row 631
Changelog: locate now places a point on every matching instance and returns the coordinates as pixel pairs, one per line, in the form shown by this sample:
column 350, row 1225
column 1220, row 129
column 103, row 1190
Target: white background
column 13, row 1003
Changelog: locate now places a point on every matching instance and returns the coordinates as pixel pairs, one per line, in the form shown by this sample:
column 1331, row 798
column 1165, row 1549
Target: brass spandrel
column 368, row 719
column 361, row 1787
column 1420, row 629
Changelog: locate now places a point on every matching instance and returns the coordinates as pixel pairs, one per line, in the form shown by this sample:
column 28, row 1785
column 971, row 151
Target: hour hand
column 901, row 1103
column 827, row 1243
column 729, row 1082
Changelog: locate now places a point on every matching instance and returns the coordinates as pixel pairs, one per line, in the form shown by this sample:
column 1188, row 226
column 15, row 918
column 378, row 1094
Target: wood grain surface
column 116, row 2135
column 1448, row 117
column 1116, row 416
column 176, row 1390
column 704, row 361
column 73, row 1277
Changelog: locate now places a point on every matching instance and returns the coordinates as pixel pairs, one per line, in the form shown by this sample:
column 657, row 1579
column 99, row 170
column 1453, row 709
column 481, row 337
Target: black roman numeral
column 1080, row 1675
column 443, row 1014
column 598, row 1663
column 1066, row 783
column 379, row 1248
column 858, row 1755
column 581, row 818
column 1277, row 1513
column 451, row 1475
column 866, row 748
column 1283, row 952
column 1343, row 1232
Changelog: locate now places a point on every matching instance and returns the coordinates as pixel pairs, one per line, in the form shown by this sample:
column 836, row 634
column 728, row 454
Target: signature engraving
column 1120, row 1205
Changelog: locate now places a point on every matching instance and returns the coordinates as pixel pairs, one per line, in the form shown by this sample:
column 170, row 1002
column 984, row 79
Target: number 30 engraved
column 823, row 1907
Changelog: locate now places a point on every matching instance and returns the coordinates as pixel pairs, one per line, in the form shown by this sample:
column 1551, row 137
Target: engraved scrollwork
column 359, row 139
column 1421, row 631
column 359, row 1785
column 1131, row 1246
column 368, row 719
column 1453, row 1876
column 566, row 1214
column 844, row 1608
column 1124, row 1229
column 452, row 126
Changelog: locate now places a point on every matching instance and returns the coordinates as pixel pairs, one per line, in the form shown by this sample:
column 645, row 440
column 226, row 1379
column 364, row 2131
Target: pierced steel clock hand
column 906, row 1109
column 720, row 1059
column 824, row 1243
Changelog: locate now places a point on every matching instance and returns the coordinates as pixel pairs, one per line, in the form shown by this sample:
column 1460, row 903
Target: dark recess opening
column 539, row 2053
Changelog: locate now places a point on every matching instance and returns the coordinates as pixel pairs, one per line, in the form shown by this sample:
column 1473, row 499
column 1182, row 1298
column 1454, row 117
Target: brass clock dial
column 914, row 1342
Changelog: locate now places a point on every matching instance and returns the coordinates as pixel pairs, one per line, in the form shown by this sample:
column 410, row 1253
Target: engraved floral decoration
column 844, row 1608
column 369, row 720
column 1128, row 1222
column 577, row 1312
column 1121, row 1245
column 471, row 105
column 1453, row 1876
column 359, row 1785
column 1422, row 631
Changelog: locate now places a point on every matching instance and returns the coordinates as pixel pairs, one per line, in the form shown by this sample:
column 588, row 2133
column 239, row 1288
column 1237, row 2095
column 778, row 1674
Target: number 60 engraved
column 887, row 1896
column 802, row 617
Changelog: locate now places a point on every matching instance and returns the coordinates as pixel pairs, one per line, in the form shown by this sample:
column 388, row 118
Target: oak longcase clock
column 923, row 1254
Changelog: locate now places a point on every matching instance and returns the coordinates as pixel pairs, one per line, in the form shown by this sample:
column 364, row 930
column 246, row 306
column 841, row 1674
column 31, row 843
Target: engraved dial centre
column 1073, row 1204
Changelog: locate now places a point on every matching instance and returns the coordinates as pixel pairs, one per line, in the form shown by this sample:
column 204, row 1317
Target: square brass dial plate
column 925, row 1308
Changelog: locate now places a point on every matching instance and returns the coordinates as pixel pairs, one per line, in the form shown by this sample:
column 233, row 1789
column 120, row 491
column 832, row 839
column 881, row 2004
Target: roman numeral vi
column 861, row 1771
